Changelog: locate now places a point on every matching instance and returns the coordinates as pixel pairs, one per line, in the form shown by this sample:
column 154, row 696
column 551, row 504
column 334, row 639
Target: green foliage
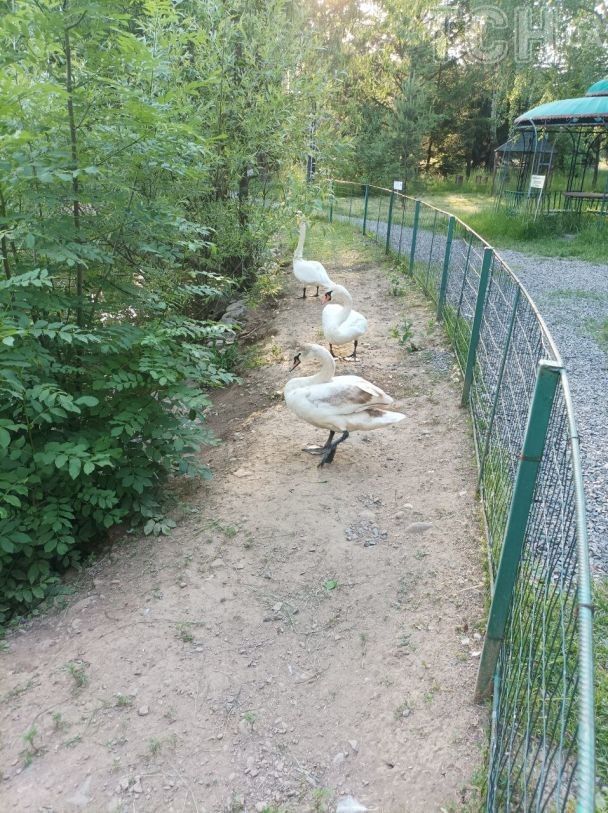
column 99, row 418
column 432, row 89
column 129, row 134
column 404, row 333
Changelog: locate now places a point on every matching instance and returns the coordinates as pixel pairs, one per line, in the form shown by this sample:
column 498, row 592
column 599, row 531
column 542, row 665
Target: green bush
column 91, row 422
column 128, row 134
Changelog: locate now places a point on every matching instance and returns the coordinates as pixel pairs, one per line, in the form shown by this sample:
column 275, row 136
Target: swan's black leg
column 331, row 350
column 317, row 294
column 330, row 452
column 304, row 294
column 353, row 355
column 320, row 449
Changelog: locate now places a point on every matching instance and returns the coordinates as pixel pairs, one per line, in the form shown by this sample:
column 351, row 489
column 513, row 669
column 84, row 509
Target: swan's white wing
column 362, row 383
column 311, row 272
column 357, row 320
column 342, row 397
column 339, row 332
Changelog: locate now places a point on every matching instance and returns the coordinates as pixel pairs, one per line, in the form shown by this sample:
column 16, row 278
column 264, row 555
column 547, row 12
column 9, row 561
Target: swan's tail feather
column 370, row 418
column 385, row 416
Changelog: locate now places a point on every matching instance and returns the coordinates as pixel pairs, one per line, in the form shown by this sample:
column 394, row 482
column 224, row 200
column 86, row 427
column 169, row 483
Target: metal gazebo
column 580, row 127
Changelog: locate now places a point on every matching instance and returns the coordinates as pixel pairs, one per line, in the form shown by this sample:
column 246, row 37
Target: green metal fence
column 537, row 661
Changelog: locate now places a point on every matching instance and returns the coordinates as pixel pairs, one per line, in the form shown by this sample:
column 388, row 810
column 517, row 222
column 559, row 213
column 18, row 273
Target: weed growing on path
column 31, row 750
column 404, row 333
column 154, row 746
column 184, row 632
column 78, row 674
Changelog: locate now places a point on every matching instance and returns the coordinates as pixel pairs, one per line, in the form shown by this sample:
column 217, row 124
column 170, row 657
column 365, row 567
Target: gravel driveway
column 572, row 296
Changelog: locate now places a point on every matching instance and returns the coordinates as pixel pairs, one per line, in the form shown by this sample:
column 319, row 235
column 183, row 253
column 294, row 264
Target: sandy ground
column 303, row 635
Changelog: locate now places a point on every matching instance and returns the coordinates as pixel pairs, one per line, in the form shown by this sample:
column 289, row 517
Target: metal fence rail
column 537, row 661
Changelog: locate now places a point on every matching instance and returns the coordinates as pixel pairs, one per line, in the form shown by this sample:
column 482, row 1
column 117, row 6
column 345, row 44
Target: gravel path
column 572, row 296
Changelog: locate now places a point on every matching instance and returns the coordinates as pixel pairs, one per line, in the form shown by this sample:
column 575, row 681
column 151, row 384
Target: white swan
column 342, row 403
column 341, row 324
column 309, row 272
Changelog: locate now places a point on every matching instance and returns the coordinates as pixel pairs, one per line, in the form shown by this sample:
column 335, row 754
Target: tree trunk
column 429, row 153
column 243, row 195
column 4, row 241
column 69, row 83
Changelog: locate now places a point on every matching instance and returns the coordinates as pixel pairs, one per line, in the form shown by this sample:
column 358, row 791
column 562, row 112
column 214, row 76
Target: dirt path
column 303, row 635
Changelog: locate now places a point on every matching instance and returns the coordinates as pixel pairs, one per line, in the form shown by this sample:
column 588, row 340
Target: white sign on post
column 397, row 186
column 537, row 181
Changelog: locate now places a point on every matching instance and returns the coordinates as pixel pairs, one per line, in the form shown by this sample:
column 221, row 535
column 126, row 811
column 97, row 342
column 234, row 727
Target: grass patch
column 600, row 623
column 577, row 293
column 546, row 236
column 459, row 332
column 558, row 236
column 600, row 331
column 327, row 242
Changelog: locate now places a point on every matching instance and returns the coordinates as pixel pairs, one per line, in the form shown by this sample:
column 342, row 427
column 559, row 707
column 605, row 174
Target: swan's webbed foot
column 353, row 355
column 320, row 449
column 330, row 451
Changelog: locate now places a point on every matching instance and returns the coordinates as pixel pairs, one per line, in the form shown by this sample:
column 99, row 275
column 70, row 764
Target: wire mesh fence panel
column 402, row 225
column 512, row 342
column 542, row 740
column 346, row 201
column 534, row 744
column 464, row 268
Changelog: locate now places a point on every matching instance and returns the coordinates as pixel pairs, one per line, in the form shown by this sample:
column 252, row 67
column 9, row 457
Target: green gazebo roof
column 586, row 111
column 598, row 88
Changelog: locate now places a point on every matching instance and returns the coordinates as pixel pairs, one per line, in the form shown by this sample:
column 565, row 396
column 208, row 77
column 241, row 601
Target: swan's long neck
column 325, row 374
column 298, row 253
column 347, row 305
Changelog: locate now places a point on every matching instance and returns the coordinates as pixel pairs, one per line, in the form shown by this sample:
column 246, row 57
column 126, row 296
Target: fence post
column 446, row 266
column 390, row 222
column 488, row 255
column 547, row 378
column 414, row 236
column 365, row 207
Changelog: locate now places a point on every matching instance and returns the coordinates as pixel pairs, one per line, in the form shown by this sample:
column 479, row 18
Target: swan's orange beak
column 326, row 297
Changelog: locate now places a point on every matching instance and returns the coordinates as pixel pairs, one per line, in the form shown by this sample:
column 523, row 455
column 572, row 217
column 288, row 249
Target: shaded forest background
column 137, row 139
